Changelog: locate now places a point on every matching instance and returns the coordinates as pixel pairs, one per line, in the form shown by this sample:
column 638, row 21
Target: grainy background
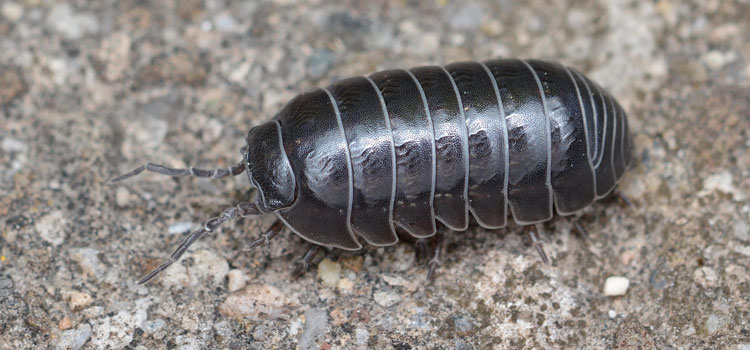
column 91, row 89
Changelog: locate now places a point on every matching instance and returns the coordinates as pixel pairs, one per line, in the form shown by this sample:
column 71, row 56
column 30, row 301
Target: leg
column 233, row 170
column 531, row 231
column 435, row 260
column 266, row 237
column 244, row 209
column 622, row 197
column 303, row 264
column 580, row 229
column 420, row 244
column 420, row 250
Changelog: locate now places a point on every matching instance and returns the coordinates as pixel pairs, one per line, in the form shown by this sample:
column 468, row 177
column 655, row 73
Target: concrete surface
column 92, row 89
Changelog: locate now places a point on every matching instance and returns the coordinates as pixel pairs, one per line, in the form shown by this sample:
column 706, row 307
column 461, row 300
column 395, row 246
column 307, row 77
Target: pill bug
column 399, row 151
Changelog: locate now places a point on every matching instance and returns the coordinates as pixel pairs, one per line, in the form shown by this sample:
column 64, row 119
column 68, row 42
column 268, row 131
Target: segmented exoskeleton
column 403, row 149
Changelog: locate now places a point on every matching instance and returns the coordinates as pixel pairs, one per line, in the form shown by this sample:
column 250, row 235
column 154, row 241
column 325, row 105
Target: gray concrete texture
column 90, row 89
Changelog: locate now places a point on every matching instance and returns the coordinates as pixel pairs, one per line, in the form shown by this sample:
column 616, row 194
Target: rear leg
column 420, row 245
column 582, row 232
column 303, row 264
column 434, row 262
column 622, row 198
column 536, row 242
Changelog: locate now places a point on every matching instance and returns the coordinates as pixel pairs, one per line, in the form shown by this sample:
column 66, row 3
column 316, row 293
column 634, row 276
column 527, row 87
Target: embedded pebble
column 12, row 11
column 12, row 84
column 467, row 16
column 742, row 230
column 71, row 25
column 78, row 300
column 6, row 286
column 11, row 145
column 211, row 130
column 345, row 285
column 715, row 323
column 612, row 314
column 208, row 265
column 706, row 276
column 361, row 335
column 51, row 228
column 410, row 285
column 386, row 299
column 122, row 196
column 295, row 326
column 236, row 280
column 149, row 133
column 224, row 22
column 256, row 302
column 74, row 339
column 329, row 272
column 616, row 285
column 717, row 59
column 117, row 330
column 721, row 182
column 176, row 276
column 316, row 322
column 152, row 326
column 88, row 261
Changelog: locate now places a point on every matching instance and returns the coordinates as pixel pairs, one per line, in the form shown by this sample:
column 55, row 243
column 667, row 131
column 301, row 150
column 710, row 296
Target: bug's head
column 268, row 167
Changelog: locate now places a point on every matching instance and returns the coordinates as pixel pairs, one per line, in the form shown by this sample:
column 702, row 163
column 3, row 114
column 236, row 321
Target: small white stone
column 88, row 261
column 175, row 276
column 616, row 285
column 385, row 299
column 51, row 228
column 78, row 300
column 208, row 265
column 295, row 326
column 11, row 145
column 612, row 314
column 706, row 276
column 714, row 323
column 345, row 285
column 12, row 11
column 362, row 336
column 71, row 25
column 211, row 130
column 316, row 323
column 721, row 182
column 179, row 227
column 122, row 196
column 329, row 272
column 224, row 22
column 258, row 302
column 467, row 16
column 742, row 230
column 716, row 59
column 236, row 280
column 152, row 326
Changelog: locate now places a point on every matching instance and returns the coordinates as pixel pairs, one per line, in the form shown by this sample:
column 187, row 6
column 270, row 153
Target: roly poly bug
column 404, row 149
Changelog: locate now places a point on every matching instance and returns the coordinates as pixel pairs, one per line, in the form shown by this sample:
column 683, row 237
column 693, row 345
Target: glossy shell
column 404, row 148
